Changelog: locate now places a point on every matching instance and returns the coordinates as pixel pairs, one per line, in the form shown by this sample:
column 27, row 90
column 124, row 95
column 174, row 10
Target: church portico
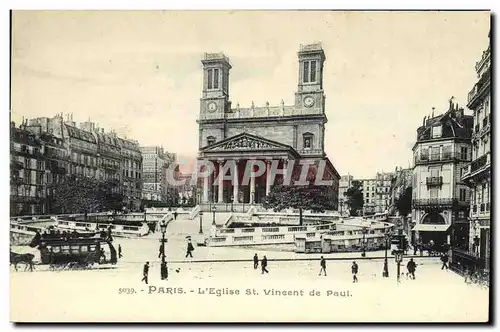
column 243, row 169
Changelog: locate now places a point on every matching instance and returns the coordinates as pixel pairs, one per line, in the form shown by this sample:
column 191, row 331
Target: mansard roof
column 80, row 134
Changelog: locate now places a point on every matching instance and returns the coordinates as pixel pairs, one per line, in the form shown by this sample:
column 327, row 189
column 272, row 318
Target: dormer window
column 308, row 140
column 211, row 140
column 436, row 131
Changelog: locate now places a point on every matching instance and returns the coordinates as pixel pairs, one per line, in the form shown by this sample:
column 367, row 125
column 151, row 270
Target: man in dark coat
column 354, row 270
column 164, row 271
column 255, row 261
column 323, row 266
column 120, row 251
column 175, row 215
column 411, row 266
column 145, row 273
column 444, row 259
column 190, row 249
column 263, row 265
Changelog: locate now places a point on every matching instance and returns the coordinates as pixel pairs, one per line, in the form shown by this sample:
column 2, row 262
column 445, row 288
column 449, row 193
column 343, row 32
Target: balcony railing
column 478, row 88
column 437, row 157
column 478, row 163
column 433, row 202
column 434, row 181
column 110, row 166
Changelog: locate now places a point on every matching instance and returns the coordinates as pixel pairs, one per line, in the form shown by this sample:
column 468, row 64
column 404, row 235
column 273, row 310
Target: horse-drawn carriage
column 68, row 251
column 80, row 252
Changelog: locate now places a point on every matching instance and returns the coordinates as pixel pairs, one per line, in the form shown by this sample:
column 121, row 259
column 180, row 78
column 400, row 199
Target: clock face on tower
column 212, row 107
column 309, row 101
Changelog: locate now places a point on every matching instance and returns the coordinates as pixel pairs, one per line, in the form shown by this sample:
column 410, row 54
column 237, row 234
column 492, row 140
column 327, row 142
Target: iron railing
column 434, row 181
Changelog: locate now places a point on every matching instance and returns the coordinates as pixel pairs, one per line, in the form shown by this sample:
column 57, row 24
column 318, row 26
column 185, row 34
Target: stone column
column 221, row 181
column 285, row 165
column 252, row 184
column 268, row 177
column 235, row 182
column 205, row 189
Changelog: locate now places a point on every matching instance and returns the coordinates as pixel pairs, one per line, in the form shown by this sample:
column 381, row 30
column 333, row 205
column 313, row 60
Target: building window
column 464, row 153
column 367, row 201
column 434, row 171
column 308, row 140
column 483, row 190
column 424, row 154
column 309, row 71
column 436, row 131
column 433, row 193
column 367, row 194
column 213, row 78
column 463, row 195
column 211, row 140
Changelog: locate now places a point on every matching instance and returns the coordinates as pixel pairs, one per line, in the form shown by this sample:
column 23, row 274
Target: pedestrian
column 421, row 249
column 164, row 271
column 354, row 270
column 109, row 236
column 190, row 249
column 160, row 250
column 120, row 251
column 255, row 261
column 415, row 248
column 411, row 266
column 263, row 264
column 322, row 263
column 444, row 259
column 145, row 273
column 175, row 215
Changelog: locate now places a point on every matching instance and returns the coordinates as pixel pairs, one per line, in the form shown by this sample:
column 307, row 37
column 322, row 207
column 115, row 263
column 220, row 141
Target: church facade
column 282, row 137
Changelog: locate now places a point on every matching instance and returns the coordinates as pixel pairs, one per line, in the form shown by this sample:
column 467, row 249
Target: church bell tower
column 215, row 96
column 310, row 92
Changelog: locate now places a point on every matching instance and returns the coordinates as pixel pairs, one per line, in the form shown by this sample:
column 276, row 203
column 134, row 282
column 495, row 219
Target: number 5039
column 126, row 291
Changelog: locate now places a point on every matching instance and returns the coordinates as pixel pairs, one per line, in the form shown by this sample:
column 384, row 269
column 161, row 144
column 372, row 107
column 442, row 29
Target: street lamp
column 399, row 258
column 163, row 229
column 363, row 254
column 213, row 214
column 385, row 273
column 201, row 222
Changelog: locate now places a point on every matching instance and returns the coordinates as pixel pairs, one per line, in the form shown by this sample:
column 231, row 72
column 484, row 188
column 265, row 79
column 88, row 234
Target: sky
column 139, row 72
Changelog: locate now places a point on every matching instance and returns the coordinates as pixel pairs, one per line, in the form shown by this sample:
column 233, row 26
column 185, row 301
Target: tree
column 355, row 199
column 298, row 197
column 403, row 202
column 78, row 194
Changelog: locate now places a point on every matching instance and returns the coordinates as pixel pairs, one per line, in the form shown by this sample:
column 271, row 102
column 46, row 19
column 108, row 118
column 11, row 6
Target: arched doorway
column 439, row 237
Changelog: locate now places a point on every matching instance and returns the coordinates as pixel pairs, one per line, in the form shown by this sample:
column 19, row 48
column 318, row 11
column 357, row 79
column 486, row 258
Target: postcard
column 250, row 166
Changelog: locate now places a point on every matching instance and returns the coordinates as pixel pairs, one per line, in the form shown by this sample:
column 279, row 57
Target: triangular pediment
column 245, row 141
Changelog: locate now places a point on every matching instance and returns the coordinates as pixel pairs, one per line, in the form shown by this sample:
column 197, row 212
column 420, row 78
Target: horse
column 16, row 258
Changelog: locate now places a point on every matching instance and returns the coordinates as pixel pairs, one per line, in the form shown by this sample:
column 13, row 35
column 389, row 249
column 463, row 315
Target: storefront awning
column 430, row 228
